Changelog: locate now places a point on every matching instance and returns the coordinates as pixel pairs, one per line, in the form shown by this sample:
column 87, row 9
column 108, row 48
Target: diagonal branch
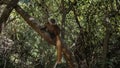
column 10, row 6
column 76, row 18
column 34, row 24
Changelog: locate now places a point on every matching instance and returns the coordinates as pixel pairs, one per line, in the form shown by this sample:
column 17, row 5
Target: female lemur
column 52, row 28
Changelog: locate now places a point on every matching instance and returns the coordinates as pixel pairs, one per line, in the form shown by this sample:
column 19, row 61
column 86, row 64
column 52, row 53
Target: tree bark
column 34, row 24
column 8, row 9
column 106, row 40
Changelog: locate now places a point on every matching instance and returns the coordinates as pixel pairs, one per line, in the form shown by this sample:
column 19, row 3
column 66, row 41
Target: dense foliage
column 90, row 28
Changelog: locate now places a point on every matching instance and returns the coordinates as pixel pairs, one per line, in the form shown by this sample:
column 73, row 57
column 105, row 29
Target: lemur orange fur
column 54, row 32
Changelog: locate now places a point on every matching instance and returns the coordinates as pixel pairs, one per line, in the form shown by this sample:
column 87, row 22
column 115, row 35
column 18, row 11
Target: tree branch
column 34, row 24
column 10, row 6
column 108, row 33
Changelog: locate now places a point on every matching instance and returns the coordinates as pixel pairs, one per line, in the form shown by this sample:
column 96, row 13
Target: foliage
column 31, row 51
